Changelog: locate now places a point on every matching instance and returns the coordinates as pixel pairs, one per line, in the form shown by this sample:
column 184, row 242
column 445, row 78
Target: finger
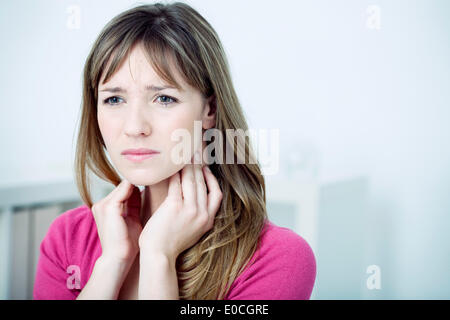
column 215, row 194
column 188, row 186
column 175, row 186
column 120, row 194
column 202, row 196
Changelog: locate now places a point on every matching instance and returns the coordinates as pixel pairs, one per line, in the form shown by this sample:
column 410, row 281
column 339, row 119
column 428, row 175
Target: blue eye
column 164, row 102
column 107, row 100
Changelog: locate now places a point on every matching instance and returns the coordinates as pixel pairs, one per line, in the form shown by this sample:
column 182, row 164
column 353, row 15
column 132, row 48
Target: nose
column 136, row 123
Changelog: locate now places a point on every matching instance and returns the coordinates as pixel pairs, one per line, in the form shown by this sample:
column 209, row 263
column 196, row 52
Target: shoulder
column 73, row 222
column 69, row 233
column 285, row 244
column 282, row 268
column 70, row 245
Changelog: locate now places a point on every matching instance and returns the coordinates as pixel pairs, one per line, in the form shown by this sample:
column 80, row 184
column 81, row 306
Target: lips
column 139, row 151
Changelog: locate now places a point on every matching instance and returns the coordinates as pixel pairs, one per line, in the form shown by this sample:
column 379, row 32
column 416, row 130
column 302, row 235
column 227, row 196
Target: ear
column 209, row 113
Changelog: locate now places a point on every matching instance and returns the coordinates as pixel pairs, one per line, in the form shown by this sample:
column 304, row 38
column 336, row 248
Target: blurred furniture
column 26, row 213
column 293, row 203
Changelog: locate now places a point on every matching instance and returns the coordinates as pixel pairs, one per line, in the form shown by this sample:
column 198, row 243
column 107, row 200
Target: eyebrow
column 148, row 88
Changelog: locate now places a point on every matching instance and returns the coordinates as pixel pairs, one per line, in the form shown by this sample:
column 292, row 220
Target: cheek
column 181, row 121
column 180, row 136
column 178, row 132
column 107, row 128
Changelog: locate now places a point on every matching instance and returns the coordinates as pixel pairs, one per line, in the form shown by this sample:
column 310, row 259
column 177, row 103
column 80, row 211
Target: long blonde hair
column 207, row 269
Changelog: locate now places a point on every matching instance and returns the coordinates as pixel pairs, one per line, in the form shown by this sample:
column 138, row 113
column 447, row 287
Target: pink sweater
column 283, row 268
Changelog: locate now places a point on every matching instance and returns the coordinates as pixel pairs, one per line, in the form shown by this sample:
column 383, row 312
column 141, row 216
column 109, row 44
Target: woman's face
column 138, row 115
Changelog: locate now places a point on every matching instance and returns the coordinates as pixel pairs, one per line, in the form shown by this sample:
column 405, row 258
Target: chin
column 143, row 178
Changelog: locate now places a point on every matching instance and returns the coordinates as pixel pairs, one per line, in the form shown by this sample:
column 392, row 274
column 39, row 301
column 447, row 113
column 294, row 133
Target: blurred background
column 357, row 91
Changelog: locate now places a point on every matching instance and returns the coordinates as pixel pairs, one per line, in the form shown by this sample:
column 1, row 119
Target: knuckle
column 203, row 212
column 204, row 220
column 174, row 206
column 219, row 196
column 191, row 211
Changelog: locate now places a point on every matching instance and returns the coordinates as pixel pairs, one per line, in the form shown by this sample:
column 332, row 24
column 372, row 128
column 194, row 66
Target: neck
column 151, row 198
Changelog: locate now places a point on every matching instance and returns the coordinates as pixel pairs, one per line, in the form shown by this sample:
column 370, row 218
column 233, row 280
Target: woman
column 197, row 231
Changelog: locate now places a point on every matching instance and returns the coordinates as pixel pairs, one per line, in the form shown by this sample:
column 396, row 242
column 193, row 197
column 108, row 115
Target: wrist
column 112, row 268
column 106, row 279
column 156, row 257
column 158, row 270
column 106, row 260
column 149, row 251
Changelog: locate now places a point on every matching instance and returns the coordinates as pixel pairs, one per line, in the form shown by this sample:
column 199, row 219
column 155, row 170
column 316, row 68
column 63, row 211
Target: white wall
column 351, row 102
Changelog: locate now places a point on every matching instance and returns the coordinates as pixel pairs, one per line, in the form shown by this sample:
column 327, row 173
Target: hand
column 186, row 214
column 118, row 223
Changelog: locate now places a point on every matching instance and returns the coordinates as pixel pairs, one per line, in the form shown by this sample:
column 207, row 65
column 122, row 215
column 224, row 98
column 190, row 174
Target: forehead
column 136, row 68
